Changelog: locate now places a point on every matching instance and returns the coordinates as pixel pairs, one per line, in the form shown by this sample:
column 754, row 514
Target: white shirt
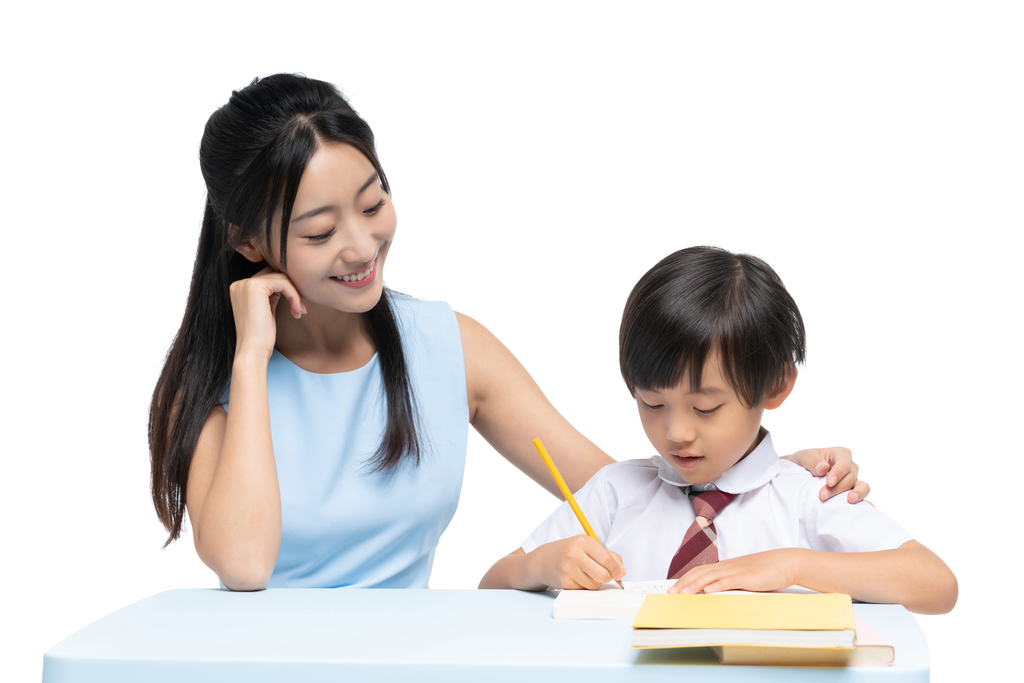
column 639, row 510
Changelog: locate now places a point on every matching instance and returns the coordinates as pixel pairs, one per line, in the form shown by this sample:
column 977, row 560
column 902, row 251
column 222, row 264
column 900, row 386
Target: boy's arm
column 576, row 562
column 910, row 575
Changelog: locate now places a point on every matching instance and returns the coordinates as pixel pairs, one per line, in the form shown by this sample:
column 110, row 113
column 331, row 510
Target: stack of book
column 795, row 629
column 816, row 629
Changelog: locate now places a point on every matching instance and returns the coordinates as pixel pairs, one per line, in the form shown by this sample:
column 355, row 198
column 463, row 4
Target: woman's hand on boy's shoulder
column 767, row 571
column 837, row 466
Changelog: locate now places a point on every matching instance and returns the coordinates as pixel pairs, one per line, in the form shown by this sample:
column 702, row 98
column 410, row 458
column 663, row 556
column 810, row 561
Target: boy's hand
column 767, row 571
column 576, row 562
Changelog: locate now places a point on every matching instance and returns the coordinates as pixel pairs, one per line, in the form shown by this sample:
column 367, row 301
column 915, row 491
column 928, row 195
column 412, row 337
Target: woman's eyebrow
column 369, row 181
column 314, row 212
column 331, row 207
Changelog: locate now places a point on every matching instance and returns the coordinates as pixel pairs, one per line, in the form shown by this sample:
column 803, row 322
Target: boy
column 709, row 340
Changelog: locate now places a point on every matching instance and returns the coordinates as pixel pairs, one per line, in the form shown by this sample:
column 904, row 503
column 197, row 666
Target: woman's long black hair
column 253, row 153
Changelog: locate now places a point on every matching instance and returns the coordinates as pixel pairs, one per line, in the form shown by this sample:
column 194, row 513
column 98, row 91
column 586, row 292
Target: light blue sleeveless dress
column 342, row 525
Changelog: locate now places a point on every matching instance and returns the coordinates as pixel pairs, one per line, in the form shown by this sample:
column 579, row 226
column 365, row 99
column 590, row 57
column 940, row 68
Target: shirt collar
column 757, row 469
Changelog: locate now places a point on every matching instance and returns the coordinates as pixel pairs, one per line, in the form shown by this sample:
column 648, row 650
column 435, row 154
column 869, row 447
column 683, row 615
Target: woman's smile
column 360, row 279
column 341, row 232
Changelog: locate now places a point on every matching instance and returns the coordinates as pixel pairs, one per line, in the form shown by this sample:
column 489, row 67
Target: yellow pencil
column 568, row 494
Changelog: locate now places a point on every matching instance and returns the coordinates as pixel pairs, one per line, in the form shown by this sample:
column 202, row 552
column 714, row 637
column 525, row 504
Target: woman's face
column 340, row 231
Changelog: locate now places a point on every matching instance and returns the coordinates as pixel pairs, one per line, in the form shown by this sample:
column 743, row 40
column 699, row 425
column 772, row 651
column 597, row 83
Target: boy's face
column 702, row 434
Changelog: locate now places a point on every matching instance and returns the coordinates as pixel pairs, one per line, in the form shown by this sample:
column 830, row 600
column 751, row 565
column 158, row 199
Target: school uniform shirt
column 639, row 509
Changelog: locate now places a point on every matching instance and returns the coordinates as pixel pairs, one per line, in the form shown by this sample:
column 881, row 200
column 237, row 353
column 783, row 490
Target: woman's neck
column 325, row 340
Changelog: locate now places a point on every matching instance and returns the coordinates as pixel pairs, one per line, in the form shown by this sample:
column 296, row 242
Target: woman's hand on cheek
column 837, row 466
column 767, row 571
column 254, row 303
column 576, row 562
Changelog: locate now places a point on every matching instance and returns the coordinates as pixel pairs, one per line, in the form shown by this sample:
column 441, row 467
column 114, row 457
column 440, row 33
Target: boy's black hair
column 703, row 299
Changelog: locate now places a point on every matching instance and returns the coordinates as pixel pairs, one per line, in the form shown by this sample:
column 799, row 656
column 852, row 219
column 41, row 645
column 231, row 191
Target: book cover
column 815, row 620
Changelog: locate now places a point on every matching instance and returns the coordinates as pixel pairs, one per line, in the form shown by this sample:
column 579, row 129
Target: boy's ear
column 247, row 247
column 775, row 401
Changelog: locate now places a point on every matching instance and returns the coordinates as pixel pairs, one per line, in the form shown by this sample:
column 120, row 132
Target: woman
column 312, row 422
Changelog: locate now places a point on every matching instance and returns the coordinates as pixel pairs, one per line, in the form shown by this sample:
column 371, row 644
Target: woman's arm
column 233, row 497
column 509, row 410
column 910, row 575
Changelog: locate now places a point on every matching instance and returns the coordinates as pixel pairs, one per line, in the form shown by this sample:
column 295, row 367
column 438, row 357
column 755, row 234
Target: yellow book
column 813, row 620
column 872, row 650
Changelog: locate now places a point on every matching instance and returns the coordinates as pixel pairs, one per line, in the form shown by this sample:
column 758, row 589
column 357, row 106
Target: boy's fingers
column 725, row 584
column 610, row 562
column 619, row 570
column 582, row 569
column 701, row 582
column 690, row 579
column 592, row 575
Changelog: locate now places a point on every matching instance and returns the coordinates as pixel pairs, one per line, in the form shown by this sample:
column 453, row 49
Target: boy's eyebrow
column 707, row 391
column 331, row 207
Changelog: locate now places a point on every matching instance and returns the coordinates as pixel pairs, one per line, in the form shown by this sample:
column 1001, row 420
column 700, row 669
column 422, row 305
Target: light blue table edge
column 58, row 669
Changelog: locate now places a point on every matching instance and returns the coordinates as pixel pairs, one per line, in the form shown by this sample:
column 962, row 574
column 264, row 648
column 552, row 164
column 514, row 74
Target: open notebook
column 608, row 602
column 612, row 602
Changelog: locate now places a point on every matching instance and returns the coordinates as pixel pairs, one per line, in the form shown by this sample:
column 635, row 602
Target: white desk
column 407, row 635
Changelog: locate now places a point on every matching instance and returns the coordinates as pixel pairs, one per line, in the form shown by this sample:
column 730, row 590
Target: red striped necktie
column 700, row 544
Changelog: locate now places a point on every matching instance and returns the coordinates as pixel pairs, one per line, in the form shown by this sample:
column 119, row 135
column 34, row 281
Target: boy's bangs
column 673, row 349
column 701, row 301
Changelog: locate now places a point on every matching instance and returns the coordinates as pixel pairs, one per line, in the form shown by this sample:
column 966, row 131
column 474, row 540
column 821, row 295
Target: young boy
column 709, row 340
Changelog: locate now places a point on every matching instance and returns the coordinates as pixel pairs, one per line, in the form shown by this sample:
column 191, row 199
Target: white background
column 542, row 158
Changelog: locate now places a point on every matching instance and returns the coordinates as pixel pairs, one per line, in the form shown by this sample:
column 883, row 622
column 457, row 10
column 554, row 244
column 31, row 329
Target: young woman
column 312, row 422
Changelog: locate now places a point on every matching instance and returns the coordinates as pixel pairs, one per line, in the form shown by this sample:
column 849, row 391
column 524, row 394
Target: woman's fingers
column 254, row 303
column 860, row 492
column 841, row 465
column 840, row 472
column 281, row 285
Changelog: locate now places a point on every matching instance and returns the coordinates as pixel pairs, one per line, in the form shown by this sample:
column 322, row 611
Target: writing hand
column 577, row 562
